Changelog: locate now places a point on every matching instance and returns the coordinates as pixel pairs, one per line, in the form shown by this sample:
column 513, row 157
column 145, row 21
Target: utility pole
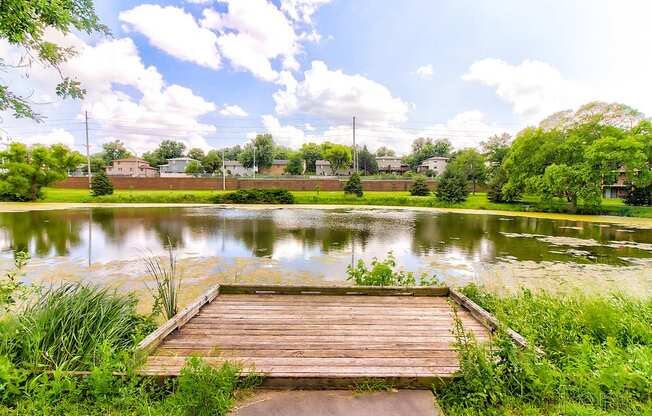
column 223, row 172
column 355, row 150
column 88, row 153
column 254, row 160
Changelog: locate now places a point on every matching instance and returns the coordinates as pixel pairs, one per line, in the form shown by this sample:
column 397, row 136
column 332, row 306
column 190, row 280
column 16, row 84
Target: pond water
column 297, row 245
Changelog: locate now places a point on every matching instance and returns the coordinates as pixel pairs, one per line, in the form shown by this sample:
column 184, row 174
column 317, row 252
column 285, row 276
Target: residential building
column 436, row 164
column 131, row 166
column 176, row 167
column 323, row 168
column 391, row 164
column 277, row 168
column 235, row 168
column 617, row 189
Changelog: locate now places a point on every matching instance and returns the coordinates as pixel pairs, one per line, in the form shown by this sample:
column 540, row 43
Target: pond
column 301, row 245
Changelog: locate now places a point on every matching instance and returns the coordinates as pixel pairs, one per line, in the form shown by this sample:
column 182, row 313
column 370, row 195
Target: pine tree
column 419, row 187
column 101, row 184
column 354, row 185
column 452, row 187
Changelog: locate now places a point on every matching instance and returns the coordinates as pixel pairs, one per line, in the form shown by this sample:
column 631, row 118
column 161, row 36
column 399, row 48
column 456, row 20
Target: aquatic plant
column 383, row 273
column 66, row 327
column 167, row 279
column 11, row 288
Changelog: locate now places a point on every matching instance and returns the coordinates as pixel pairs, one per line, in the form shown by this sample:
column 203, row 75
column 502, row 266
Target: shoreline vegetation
column 478, row 201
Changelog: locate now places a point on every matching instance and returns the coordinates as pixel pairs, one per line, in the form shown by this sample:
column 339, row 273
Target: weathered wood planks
column 317, row 337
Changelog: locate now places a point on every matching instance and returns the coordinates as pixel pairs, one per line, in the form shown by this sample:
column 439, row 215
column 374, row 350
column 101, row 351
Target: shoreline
column 8, row 207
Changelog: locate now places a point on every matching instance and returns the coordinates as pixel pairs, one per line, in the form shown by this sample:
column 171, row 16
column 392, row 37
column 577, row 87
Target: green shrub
column 383, row 273
column 101, row 184
column 452, row 187
column 639, row 196
column 68, row 324
column 256, row 196
column 168, row 283
column 419, row 187
column 354, row 186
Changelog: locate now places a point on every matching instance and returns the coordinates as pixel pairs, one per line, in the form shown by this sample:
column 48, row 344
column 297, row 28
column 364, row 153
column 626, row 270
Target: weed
column 168, row 283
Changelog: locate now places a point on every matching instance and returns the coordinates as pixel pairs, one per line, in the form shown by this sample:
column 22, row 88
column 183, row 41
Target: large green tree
column 114, row 150
column 25, row 170
column 311, row 153
column 197, row 154
column 367, row 161
column 424, row 148
column 471, row 164
column 212, row 162
column 339, row 156
column 264, row 145
column 23, row 24
column 385, row 151
column 295, row 164
column 167, row 149
column 495, row 150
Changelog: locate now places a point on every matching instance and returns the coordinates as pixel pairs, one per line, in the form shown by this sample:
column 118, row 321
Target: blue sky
column 213, row 73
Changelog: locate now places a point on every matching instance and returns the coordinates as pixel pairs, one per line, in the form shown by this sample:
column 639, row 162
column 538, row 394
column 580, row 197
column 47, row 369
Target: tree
column 419, row 187
column 264, row 145
column 168, row 149
column 114, row 150
column 295, row 164
column 495, row 187
column 639, row 196
column 452, row 186
column 101, row 184
column 494, row 150
column 472, row 164
column 424, row 148
column 311, row 153
column 194, row 168
column 232, row 153
column 23, row 24
column 197, row 154
column 385, row 151
column 367, row 161
column 353, row 186
column 339, row 156
column 24, row 171
column 212, row 162
column 282, row 153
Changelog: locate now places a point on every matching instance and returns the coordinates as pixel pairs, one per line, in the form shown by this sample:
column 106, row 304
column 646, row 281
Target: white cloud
column 466, row 129
column 175, row 32
column 338, row 97
column 425, row 71
column 54, row 136
column 285, row 135
column 535, row 89
column 254, row 32
column 302, row 10
column 233, row 111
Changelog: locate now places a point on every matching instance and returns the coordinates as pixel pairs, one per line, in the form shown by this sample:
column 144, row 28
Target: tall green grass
column 68, row 325
column 597, row 361
column 167, row 279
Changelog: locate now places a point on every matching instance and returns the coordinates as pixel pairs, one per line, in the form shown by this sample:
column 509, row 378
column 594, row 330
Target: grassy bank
column 598, row 358
column 478, row 201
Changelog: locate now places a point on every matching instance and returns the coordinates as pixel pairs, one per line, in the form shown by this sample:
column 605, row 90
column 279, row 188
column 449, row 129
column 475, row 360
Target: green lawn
column 477, row 201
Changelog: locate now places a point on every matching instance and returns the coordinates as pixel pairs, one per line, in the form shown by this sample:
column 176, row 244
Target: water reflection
column 319, row 242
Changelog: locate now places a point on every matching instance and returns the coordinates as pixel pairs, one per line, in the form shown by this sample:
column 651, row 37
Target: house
column 235, row 168
column 436, row 164
column 323, row 168
column 619, row 188
column 277, row 168
column 131, row 166
column 391, row 164
column 176, row 167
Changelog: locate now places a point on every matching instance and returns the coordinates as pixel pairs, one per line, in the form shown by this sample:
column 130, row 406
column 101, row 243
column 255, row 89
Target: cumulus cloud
column 535, row 89
column 302, row 10
column 337, row 96
column 54, row 136
column 233, row 111
column 175, row 32
column 425, row 71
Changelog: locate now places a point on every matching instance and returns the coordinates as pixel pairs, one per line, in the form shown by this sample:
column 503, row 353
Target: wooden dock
column 320, row 337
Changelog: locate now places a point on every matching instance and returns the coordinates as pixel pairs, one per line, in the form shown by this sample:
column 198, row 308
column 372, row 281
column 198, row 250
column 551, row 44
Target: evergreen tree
column 419, row 187
column 354, row 185
column 452, row 187
column 101, row 184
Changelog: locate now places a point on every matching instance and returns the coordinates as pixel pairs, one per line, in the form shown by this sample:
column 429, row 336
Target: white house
column 175, row 168
column 391, row 164
column 323, row 168
column 436, row 164
column 235, row 168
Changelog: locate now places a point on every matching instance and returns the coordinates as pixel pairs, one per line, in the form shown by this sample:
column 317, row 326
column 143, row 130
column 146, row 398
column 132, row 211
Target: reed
column 167, row 279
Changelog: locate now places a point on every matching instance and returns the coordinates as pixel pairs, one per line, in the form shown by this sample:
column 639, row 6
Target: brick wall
column 293, row 184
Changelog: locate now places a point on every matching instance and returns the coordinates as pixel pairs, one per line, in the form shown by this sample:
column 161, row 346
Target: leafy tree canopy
column 471, row 164
column 311, row 153
column 338, row 155
column 385, row 151
column 114, row 150
column 168, row 149
column 424, row 148
column 197, row 154
column 212, row 162
column 24, row 171
column 22, row 24
column 264, row 145
column 367, row 161
column 194, row 168
column 295, row 164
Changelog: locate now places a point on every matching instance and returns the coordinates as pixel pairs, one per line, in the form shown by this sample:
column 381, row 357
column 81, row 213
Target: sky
column 214, row 73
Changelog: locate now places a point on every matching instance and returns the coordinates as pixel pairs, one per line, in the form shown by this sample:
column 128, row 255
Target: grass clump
column 256, row 196
column 167, row 279
column 597, row 361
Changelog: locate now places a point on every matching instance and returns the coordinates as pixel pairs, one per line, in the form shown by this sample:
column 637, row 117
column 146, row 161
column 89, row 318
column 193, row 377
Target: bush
column 354, row 186
column 101, row 184
column 452, row 187
column 419, row 187
column 256, row 196
column 495, row 187
column 382, row 273
column 639, row 196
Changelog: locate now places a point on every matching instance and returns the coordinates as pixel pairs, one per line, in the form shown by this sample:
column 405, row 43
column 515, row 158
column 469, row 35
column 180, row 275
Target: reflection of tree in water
column 463, row 232
column 46, row 231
